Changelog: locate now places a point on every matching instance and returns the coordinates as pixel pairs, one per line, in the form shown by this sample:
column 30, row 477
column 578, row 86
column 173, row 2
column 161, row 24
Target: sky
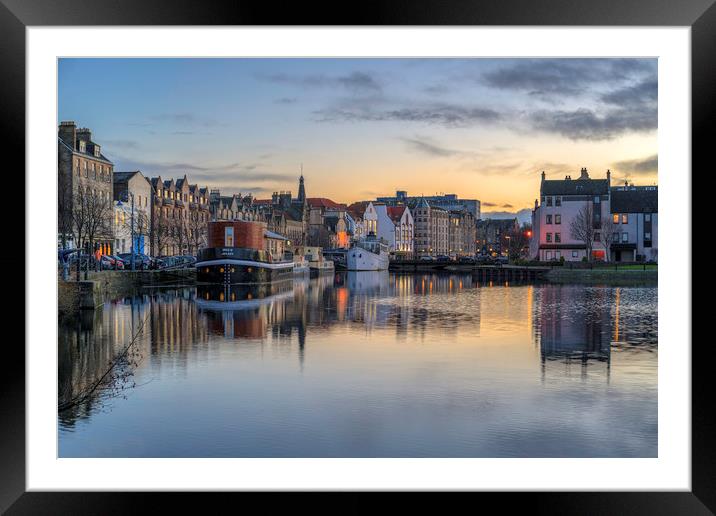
column 361, row 128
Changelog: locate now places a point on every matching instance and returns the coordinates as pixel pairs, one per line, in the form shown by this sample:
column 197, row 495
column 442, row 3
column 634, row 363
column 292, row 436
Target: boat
column 316, row 261
column 240, row 253
column 368, row 254
column 337, row 256
column 300, row 265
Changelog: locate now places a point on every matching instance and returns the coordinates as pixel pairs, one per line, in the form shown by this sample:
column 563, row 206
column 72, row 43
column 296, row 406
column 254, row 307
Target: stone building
column 450, row 202
column 323, row 227
column 179, row 217
column 431, row 231
column 462, row 233
column 84, row 190
column 132, row 211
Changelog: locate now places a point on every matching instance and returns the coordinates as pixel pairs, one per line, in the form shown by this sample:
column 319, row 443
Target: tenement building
column 431, row 233
column 179, row 217
column 84, row 190
column 449, row 202
column 493, row 235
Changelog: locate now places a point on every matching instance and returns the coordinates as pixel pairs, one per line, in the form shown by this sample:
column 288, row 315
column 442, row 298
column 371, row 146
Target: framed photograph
column 413, row 250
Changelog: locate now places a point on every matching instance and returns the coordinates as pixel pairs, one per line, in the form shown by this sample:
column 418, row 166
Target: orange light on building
column 342, row 239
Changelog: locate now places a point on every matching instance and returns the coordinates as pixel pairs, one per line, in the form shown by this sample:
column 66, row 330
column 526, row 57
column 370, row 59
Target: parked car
column 502, row 260
column 467, row 259
column 118, row 262
column 141, row 261
column 443, row 258
column 427, row 259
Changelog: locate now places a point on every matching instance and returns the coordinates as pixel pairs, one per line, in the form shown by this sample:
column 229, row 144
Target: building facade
column 624, row 220
column 493, row 235
column 635, row 217
column 85, row 185
column 431, row 232
column 179, row 217
column 462, row 235
column 132, row 212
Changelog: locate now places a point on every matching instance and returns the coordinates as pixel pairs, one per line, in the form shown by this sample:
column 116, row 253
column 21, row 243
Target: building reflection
column 573, row 325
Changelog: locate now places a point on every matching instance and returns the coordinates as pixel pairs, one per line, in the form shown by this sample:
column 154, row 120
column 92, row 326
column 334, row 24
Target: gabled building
column 393, row 224
column 635, row 214
column 321, row 229
column 132, row 212
column 431, row 229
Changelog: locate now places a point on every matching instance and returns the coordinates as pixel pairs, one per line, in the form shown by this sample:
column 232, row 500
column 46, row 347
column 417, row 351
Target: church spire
column 301, row 188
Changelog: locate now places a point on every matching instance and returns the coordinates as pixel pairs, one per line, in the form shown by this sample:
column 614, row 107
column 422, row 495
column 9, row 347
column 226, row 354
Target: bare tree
column 91, row 216
column 161, row 231
column 64, row 210
column 197, row 230
column 518, row 241
column 608, row 229
column 582, row 228
column 180, row 230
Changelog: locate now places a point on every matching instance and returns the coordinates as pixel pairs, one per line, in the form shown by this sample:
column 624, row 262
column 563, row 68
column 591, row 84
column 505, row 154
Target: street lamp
column 131, row 224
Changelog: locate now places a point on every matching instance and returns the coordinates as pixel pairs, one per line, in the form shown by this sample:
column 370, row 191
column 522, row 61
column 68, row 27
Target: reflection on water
column 368, row 365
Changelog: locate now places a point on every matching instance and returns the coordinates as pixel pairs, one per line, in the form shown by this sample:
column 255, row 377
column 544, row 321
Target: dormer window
column 83, row 146
column 96, row 150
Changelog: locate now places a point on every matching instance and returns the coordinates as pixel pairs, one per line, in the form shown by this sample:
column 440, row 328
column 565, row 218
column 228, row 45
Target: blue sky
column 482, row 128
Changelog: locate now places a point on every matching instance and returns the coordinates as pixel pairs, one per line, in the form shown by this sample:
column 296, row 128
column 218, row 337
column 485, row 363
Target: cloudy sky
column 481, row 128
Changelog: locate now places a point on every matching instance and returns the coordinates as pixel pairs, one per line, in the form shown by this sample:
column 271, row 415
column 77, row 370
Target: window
column 647, row 236
column 549, row 219
column 625, row 237
column 549, row 201
column 625, row 218
column 647, row 217
column 558, row 219
column 558, row 237
column 597, row 199
column 574, row 254
column 597, row 237
column 558, row 201
column 549, row 237
column 615, row 218
column 82, row 146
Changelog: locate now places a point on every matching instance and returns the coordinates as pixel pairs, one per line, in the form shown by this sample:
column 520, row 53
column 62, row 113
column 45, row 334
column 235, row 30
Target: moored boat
column 368, row 254
column 316, row 261
column 242, row 252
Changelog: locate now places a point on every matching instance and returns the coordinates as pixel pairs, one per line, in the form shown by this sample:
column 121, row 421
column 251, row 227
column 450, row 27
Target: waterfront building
column 392, row 224
column 354, row 217
column 446, row 201
column 635, row 215
column 84, row 190
column 493, row 235
column 132, row 211
column 431, row 229
column 560, row 202
column 632, row 211
column 462, row 233
column 179, row 217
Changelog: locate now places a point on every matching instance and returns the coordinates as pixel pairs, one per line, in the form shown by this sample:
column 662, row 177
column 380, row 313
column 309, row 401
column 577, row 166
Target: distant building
column 462, row 233
column 493, row 235
column 635, row 213
column 84, row 180
column 431, row 234
column 354, row 217
column 324, row 230
column 445, row 201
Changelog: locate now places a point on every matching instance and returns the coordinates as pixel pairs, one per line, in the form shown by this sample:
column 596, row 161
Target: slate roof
column 87, row 152
column 574, row 187
column 123, row 177
column 357, row 209
column 634, row 199
column 395, row 213
column 322, row 202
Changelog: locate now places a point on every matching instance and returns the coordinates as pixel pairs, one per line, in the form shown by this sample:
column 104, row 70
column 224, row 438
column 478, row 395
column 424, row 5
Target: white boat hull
column 358, row 259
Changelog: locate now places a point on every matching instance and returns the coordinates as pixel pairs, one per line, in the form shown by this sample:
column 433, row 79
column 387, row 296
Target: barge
column 243, row 253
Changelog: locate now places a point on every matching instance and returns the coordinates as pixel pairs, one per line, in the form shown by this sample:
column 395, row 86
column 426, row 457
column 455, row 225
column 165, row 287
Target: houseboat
column 368, row 254
column 316, row 261
column 301, row 266
column 337, row 256
column 241, row 252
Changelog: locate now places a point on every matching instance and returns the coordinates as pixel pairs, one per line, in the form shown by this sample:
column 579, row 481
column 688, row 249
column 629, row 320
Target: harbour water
column 364, row 364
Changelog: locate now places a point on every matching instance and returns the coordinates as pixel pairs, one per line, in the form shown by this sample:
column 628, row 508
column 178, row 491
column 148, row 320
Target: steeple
column 301, row 188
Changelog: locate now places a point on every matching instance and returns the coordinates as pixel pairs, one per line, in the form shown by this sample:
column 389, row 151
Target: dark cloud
column 507, row 206
column 446, row 115
column 565, row 76
column 587, row 124
column 642, row 93
column 488, row 204
column 357, row 82
column 643, row 166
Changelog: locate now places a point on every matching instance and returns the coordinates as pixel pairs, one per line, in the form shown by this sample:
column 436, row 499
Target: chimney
column 584, row 174
column 609, row 176
column 535, row 204
column 68, row 133
column 84, row 135
column 543, row 175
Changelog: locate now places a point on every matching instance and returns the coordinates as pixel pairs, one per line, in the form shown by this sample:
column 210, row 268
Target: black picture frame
column 16, row 15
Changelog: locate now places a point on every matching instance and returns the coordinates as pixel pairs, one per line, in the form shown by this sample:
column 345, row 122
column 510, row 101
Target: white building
column 132, row 212
column 394, row 224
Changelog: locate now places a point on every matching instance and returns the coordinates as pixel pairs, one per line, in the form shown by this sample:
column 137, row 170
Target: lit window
column 625, row 218
column 615, row 218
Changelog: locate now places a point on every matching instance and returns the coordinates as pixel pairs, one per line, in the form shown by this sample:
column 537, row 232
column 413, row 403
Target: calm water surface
column 366, row 365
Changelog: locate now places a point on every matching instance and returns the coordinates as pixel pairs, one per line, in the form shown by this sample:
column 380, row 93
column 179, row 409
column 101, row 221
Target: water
column 366, row 365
